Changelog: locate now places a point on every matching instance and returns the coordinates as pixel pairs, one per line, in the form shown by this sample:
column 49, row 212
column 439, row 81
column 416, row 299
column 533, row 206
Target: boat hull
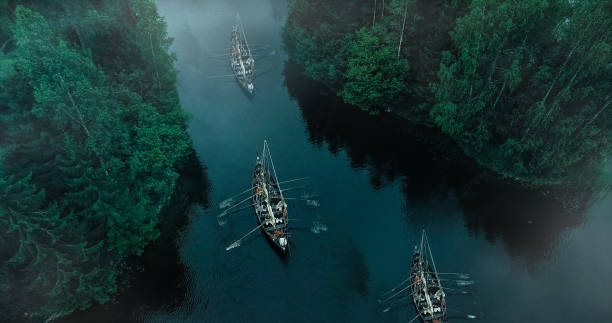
column 270, row 209
column 241, row 61
column 427, row 296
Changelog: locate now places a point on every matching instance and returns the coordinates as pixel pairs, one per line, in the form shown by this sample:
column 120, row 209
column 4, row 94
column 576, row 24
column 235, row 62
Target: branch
column 399, row 48
column 4, row 45
column 599, row 112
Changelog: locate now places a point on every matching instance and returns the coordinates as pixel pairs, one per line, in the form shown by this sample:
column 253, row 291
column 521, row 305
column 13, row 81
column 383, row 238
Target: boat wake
column 465, row 282
column 233, row 245
column 314, row 203
column 318, row 227
column 226, row 203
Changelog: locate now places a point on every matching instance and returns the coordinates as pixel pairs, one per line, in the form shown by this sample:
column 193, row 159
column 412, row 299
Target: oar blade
column 232, row 246
column 226, row 203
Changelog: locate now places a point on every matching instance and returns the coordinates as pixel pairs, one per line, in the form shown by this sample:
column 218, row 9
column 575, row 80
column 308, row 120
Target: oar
column 299, row 199
column 459, row 274
column 394, row 307
column 456, row 290
column 414, row 318
column 241, row 193
column 240, row 209
column 396, row 287
column 266, row 72
column 293, row 188
column 237, row 242
column 392, row 296
column 233, row 206
column 294, row 180
column 218, row 76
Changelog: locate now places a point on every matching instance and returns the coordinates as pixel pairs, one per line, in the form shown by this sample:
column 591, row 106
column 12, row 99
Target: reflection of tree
column 430, row 165
column 279, row 10
column 385, row 144
column 389, row 147
column 159, row 276
column 530, row 225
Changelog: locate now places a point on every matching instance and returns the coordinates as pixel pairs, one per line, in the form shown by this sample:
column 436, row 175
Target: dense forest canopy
column 91, row 138
column 524, row 87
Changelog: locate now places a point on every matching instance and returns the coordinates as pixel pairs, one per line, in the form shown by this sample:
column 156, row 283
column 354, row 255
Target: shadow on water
column 158, row 279
column 430, row 164
column 529, row 224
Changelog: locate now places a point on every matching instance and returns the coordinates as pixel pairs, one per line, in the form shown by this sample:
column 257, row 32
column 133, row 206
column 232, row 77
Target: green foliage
column 376, row 76
column 318, row 34
column 524, row 87
column 529, row 83
column 337, row 43
column 92, row 136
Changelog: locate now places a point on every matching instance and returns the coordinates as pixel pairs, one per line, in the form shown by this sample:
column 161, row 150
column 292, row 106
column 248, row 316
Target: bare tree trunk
column 560, row 72
column 77, row 110
column 3, row 46
column 81, row 121
column 399, row 48
column 499, row 96
column 155, row 64
column 382, row 11
column 374, row 16
column 574, row 135
column 599, row 112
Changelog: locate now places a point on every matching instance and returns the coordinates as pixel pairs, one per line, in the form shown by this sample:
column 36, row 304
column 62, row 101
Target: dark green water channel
column 379, row 184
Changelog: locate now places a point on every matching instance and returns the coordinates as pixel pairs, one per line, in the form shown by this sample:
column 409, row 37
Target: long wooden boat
column 240, row 58
column 427, row 293
column 269, row 203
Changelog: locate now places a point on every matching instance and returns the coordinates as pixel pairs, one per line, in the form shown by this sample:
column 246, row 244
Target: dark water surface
column 379, row 181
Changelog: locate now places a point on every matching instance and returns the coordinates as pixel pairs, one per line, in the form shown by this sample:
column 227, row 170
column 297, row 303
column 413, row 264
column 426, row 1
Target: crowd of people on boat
column 241, row 60
column 427, row 293
column 268, row 193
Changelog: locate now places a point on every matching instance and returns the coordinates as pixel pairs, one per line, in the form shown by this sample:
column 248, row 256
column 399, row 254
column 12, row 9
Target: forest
column 92, row 139
column 523, row 87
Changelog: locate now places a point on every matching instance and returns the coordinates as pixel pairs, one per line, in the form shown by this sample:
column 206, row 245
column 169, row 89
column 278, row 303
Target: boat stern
column 283, row 243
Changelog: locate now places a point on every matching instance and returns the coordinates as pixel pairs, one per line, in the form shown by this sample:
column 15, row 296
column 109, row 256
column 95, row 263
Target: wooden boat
column 269, row 203
column 427, row 293
column 240, row 58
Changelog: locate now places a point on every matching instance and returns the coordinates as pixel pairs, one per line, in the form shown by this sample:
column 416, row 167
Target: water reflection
column 530, row 225
column 432, row 169
column 158, row 279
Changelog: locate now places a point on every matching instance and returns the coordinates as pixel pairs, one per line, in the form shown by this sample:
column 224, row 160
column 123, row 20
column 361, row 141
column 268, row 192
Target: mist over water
column 379, row 183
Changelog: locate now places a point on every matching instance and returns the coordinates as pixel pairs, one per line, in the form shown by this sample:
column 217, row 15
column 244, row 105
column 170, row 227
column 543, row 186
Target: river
column 379, row 183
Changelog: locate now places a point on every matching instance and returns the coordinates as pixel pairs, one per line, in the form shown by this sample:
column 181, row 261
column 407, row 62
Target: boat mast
column 274, row 170
column 238, row 24
column 263, row 157
column 433, row 263
column 244, row 35
column 423, row 277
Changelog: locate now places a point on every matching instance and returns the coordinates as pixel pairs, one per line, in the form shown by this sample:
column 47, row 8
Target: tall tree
column 92, row 155
column 525, row 81
column 375, row 77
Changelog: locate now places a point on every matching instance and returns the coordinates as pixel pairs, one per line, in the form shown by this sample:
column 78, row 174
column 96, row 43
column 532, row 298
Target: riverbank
column 92, row 138
column 353, row 49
